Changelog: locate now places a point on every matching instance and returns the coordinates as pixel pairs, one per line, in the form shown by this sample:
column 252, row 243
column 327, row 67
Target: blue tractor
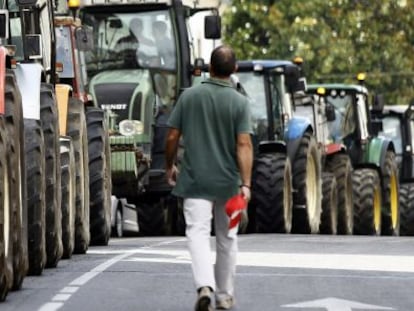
column 287, row 177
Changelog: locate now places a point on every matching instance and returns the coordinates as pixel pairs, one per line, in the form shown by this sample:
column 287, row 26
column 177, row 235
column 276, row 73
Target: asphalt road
column 275, row 272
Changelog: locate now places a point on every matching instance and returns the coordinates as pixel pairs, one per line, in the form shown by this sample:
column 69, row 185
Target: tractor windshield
column 392, row 130
column 254, row 87
column 344, row 123
column 129, row 40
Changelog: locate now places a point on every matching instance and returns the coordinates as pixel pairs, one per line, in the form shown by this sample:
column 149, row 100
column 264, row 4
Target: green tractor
column 375, row 173
column 398, row 126
column 141, row 62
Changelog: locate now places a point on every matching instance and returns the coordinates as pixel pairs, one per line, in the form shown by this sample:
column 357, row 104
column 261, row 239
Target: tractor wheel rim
column 311, row 187
column 377, row 209
column 6, row 212
column 287, row 202
column 394, row 200
column 119, row 223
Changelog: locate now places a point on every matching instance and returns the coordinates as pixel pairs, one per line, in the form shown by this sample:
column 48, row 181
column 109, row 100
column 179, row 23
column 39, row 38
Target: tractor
column 137, row 83
column 13, row 191
column 398, row 126
column 337, row 206
column 86, row 125
column 287, row 179
column 54, row 221
column 375, row 173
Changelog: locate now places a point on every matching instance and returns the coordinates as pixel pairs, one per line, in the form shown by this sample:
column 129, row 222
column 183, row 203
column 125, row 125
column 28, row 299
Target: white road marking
column 387, row 263
column 61, row 297
column 335, row 304
column 51, row 306
column 67, row 291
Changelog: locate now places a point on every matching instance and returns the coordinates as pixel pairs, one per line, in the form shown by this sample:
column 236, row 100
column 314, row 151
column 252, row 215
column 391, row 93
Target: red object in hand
column 234, row 207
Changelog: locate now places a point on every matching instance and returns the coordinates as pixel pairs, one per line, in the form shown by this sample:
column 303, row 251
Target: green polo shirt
column 210, row 116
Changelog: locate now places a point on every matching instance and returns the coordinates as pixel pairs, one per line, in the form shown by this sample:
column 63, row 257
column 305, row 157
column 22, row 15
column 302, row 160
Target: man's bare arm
column 245, row 157
column 173, row 137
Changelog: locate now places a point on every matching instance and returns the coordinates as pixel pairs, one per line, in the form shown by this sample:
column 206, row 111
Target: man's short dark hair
column 223, row 61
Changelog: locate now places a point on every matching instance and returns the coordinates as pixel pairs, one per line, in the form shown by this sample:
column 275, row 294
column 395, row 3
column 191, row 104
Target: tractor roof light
column 361, row 76
column 298, row 60
column 321, row 91
column 74, row 4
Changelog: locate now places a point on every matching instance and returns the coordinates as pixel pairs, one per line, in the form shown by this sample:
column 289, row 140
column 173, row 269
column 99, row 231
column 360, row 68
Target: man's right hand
column 245, row 192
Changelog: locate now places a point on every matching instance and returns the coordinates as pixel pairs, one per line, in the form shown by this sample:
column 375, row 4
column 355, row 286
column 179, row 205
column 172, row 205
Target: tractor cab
column 270, row 87
column 351, row 122
column 398, row 126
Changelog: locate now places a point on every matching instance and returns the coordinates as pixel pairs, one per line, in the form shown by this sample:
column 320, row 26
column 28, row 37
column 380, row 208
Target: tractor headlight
column 131, row 127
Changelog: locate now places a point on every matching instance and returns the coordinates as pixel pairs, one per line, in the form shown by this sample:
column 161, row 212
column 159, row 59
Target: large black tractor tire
column 68, row 184
column 36, row 185
column 307, row 184
column 340, row 165
column 270, row 209
column 50, row 125
column 390, row 196
column 407, row 209
column 151, row 216
column 99, row 176
column 77, row 130
column 6, row 219
column 329, row 216
column 17, row 178
column 367, row 201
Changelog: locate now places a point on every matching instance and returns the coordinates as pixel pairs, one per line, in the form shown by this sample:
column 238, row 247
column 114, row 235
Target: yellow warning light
column 361, row 76
column 321, row 91
column 74, row 4
column 298, row 60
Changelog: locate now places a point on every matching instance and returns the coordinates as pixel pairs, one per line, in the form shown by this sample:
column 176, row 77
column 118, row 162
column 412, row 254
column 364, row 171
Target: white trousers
column 198, row 214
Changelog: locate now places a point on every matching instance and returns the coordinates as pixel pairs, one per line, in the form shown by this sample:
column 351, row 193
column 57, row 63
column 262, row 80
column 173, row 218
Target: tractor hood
column 125, row 95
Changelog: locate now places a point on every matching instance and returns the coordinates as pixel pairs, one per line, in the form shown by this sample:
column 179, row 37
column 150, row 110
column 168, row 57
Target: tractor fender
column 28, row 77
column 63, row 91
column 334, row 148
column 297, row 127
column 377, row 150
column 270, row 146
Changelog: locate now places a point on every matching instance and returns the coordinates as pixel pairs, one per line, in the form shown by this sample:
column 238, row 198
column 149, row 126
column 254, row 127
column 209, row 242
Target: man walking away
column 214, row 121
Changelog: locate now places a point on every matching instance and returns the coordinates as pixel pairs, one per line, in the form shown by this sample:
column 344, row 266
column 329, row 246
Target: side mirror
column 376, row 127
column 4, row 24
column 198, row 66
column 378, row 103
column 84, row 38
column 212, row 27
column 330, row 112
column 294, row 82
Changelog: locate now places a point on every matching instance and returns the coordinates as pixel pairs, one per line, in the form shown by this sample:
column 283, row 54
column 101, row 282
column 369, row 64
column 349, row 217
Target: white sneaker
column 225, row 304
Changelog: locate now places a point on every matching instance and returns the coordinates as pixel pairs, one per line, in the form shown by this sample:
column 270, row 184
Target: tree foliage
column 336, row 38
